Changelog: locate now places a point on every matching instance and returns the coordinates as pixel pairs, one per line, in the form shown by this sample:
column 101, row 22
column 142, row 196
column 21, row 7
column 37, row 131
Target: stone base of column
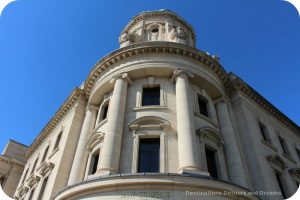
column 106, row 171
column 187, row 171
column 193, row 170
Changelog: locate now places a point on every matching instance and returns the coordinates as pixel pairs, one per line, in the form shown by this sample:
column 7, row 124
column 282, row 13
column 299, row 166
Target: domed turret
column 162, row 25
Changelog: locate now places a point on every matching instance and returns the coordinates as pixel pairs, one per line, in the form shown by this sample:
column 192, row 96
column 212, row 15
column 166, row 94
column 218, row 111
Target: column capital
column 91, row 107
column 221, row 100
column 123, row 76
column 180, row 72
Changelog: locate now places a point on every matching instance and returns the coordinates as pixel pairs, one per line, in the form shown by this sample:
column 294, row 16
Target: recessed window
column 283, row 145
column 45, row 154
column 57, row 140
column 280, row 183
column 151, row 96
column 202, row 103
column 155, row 30
column 105, row 112
column 34, row 165
column 41, row 194
column 298, row 153
column 94, row 163
column 263, row 131
column 211, row 163
column 149, row 155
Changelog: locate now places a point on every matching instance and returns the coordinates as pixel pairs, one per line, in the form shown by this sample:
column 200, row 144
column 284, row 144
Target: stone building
column 160, row 119
column 12, row 164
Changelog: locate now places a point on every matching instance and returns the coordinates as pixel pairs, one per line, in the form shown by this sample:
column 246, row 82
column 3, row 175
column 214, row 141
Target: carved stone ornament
column 277, row 161
column 295, row 172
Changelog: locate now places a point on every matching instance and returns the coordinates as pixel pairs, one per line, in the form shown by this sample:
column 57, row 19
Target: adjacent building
column 12, row 164
column 160, row 119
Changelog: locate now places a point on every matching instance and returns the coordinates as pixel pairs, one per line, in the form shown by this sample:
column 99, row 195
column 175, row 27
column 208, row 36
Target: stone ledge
column 157, row 182
column 144, row 108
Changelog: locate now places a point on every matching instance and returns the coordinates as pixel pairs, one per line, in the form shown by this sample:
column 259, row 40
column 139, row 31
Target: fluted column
column 232, row 152
column 78, row 167
column 111, row 150
column 189, row 159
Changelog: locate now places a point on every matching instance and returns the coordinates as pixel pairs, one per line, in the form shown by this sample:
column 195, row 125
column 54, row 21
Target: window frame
column 145, row 87
column 139, row 154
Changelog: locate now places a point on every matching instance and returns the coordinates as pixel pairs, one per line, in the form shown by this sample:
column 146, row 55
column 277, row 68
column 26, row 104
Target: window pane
column 202, row 106
column 149, row 155
column 94, row 163
column 57, row 140
column 105, row 111
column 151, row 96
column 211, row 163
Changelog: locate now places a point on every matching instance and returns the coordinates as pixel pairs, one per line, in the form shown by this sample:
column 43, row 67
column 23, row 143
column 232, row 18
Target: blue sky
column 47, row 48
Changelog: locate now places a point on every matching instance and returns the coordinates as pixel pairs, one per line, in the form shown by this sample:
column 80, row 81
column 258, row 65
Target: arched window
column 149, row 145
column 57, row 140
column 34, row 165
column 212, row 153
column 93, row 147
column 45, row 154
column 94, row 162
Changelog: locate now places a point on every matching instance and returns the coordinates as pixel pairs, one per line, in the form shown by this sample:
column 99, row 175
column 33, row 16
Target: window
column 298, row 153
column 104, row 112
column 31, row 194
column 57, row 140
column 2, row 180
column 283, row 145
column 211, row 163
column 34, row 165
column 24, row 177
column 45, row 154
column 94, row 163
column 263, row 131
column 43, row 189
column 279, row 182
column 151, row 96
column 202, row 103
column 149, row 155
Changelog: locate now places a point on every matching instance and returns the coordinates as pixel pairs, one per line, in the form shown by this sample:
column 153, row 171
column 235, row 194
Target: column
column 77, row 170
column 189, row 159
column 232, row 152
column 111, row 149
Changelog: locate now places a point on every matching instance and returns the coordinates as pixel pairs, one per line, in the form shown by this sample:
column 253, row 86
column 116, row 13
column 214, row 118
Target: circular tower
column 157, row 123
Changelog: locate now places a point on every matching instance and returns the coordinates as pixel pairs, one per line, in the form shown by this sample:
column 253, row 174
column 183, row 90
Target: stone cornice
column 59, row 115
column 11, row 161
column 159, row 13
column 152, row 47
column 238, row 84
column 277, row 161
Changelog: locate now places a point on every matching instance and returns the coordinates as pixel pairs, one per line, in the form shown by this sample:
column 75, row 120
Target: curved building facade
column 160, row 119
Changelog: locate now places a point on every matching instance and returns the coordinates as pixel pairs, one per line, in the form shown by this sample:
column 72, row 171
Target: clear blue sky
column 48, row 47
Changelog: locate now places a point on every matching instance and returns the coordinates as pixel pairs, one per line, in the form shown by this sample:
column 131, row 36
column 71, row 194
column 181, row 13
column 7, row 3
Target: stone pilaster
column 232, row 152
column 77, row 170
column 189, row 159
column 111, row 150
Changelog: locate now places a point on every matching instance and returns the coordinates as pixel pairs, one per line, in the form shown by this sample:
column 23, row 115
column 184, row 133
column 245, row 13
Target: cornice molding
column 153, row 47
column 238, row 84
column 11, row 161
column 59, row 115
